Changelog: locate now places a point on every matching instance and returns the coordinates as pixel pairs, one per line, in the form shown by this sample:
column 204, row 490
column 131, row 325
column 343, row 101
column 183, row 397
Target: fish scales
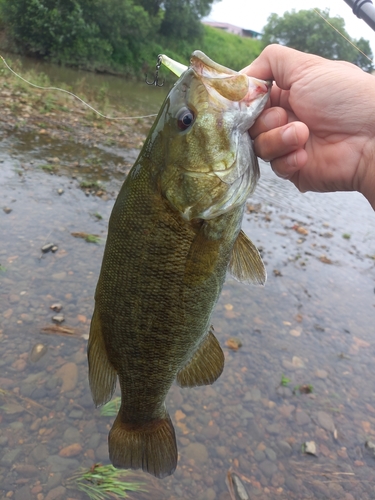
column 174, row 231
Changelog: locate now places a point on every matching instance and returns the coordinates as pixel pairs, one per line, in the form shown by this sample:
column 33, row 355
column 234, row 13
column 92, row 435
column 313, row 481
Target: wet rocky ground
column 294, row 411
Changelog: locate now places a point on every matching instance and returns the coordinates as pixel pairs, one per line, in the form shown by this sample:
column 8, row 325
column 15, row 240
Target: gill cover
column 208, row 163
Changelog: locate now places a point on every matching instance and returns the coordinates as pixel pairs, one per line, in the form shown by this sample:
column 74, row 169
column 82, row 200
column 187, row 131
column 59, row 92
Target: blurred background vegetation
column 125, row 36
column 118, row 36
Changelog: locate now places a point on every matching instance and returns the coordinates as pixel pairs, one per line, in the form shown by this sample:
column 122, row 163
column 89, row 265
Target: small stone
column 310, row 448
column 58, row 318
column 37, row 352
column 10, row 457
column 59, row 276
column 23, row 493
column 321, row 374
column 54, row 248
column 47, row 248
column 101, row 452
column 7, row 210
column 71, row 436
column 71, row 451
column 326, row 421
column 39, row 453
column 268, row 468
column 297, row 362
column 60, row 464
column 285, row 448
column 19, row 365
column 60, row 191
column 56, row 494
column 197, row 452
column 271, row 455
column 56, row 307
column 69, row 375
column 302, row 417
column 76, row 414
column 259, row 455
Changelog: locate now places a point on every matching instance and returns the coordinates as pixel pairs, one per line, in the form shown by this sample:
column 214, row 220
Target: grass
column 98, row 216
column 2, row 269
column 102, row 481
column 48, row 167
column 285, row 381
column 91, row 185
column 111, row 408
column 92, row 238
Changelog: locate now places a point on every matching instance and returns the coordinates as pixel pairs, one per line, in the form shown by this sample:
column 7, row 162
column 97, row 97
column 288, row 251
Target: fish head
column 200, row 142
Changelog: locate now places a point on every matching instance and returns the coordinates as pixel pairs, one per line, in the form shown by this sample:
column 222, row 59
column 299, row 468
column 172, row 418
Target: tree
column 182, row 18
column 305, row 30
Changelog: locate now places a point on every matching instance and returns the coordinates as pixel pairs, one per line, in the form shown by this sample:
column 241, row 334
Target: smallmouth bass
column 174, row 231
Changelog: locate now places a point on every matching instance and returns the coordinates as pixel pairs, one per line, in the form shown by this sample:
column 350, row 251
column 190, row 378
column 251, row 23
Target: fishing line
column 73, row 95
column 344, row 37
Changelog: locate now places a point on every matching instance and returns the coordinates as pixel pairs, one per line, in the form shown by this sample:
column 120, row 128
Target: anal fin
column 246, row 264
column 150, row 446
column 205, row 366
column 102, row 375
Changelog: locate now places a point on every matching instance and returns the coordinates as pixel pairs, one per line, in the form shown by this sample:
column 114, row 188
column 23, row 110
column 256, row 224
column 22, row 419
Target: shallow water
column 313, row 324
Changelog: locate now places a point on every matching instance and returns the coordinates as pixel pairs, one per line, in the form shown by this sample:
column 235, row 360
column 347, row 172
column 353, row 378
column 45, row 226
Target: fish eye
column 185, row 118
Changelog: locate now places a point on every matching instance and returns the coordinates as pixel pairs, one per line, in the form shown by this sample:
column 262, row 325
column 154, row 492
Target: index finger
column 281, row 64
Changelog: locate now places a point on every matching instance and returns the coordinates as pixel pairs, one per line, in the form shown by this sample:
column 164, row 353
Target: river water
column 311, row 326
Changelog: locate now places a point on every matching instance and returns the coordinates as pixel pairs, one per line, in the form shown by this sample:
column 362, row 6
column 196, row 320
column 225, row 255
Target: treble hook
column 156, row 77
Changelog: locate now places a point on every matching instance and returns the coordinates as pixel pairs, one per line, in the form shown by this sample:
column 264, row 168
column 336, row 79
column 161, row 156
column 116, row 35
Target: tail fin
column 151, row 447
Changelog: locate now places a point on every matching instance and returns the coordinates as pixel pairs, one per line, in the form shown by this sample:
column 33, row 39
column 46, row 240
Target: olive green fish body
column 173, row 232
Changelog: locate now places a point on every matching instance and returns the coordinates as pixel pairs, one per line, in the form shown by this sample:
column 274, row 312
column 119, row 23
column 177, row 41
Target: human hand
column 318, row 130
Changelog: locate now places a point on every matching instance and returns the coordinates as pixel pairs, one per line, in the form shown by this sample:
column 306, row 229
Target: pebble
column 39, row 453
column 54, row 479
column 271, row 455
column 310, row 448
column 71, row 436
column 10, row 457
column 268, row 468
column 56, row 493
column 71, row 450
column 37, row 352
column 69, row 376
column 59, row 276
column 60, row 464
column 23, row 493
column 302, row 417
column 7, row 210
column 101, row 452
column 58, row 318
column 326, row 421
column 197, row 452
column 285, row 448
column 47, row 248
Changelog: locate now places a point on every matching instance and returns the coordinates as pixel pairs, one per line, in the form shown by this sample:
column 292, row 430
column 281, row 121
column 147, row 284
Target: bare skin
column 318, row 129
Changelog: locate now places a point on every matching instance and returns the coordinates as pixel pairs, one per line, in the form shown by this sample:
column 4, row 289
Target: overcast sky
column 253, row 14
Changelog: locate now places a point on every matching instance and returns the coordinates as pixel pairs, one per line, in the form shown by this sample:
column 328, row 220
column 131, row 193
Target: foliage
column 285, row 381
column 101, row 482
column 111, row 408
column 305, row 30
column 124, row 36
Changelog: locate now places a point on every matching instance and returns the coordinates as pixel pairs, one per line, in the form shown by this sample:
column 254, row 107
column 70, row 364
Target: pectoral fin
column 246, row 264
column 205, row 366
column 102, row 375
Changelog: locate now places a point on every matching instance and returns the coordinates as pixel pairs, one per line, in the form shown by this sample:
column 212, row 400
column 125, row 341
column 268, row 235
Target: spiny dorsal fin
column 246, row 264
column 205, row 366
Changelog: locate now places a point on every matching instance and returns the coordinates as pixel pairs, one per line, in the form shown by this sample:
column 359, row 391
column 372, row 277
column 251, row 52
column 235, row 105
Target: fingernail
column 289, row 136
column 291, row 161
